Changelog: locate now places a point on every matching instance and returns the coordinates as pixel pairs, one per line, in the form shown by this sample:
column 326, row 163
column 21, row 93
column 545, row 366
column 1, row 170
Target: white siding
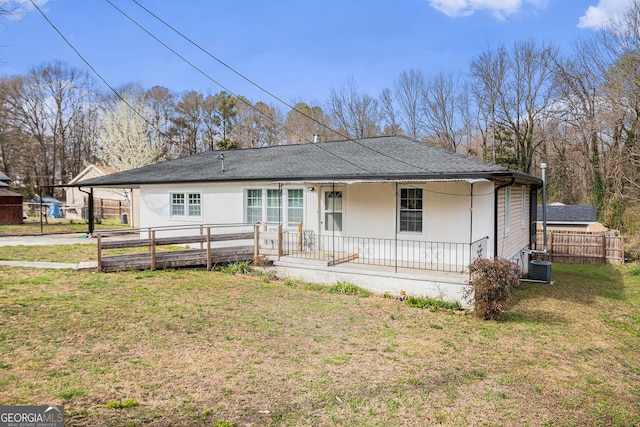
column 510, row 244
column 370, row 210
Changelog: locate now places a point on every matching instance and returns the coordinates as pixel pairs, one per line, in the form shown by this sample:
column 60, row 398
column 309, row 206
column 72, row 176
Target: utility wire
column 223, row 87
column 206, row 52
column 91, row 67
column 95, row 71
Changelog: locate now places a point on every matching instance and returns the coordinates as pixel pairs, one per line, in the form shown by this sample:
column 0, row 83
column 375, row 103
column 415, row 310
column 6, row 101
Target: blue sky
column 296, row 49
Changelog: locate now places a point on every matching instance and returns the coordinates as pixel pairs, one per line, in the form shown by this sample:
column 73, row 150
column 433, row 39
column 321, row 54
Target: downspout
column 543, row 168
column 495, row 214
column 471, row 223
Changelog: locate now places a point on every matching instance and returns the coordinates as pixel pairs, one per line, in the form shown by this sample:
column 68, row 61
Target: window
column 411, row 210
column 187, row 205
column 295, row 206
column 272, row 205
column 194, row 205
column 333, row 210
column 254, row 206
column 507, row 210
column 177, row 204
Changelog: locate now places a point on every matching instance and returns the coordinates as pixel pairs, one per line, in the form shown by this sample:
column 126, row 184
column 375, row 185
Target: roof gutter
column 495, row 214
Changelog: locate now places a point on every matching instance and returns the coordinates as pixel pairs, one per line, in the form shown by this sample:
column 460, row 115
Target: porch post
column 471, row 225
column 279, row 241
column 256, row 241
column 395, row 231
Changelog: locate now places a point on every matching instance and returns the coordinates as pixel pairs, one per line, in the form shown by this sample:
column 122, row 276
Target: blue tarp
column 53, row 211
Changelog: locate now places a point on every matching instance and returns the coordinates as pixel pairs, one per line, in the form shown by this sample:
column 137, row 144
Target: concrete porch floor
column 448, row 286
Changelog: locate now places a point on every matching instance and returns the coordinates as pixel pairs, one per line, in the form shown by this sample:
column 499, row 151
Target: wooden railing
column 171, row 247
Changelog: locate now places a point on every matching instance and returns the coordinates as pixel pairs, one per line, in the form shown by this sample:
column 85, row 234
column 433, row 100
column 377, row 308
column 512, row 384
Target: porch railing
column 410, row 254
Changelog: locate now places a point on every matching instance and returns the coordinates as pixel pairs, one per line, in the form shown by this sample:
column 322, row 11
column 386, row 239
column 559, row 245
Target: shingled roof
column 577, row 214
column 380, row 158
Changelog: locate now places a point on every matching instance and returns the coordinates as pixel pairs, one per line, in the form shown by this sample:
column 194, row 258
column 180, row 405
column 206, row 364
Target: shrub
column 348, row 289
column 433, row 303
column 290, row 283
column 241, row 267
column 491, row 284
column 121, row 404
column 634, row 270
column 71, row 393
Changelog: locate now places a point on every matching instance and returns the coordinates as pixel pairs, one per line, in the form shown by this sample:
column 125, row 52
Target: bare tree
column 440, row 106
column 488, row 71
column 516, row 87
column 161, row 104
column 49, row 109
column 409, row 91
column 388, row 117
column 305, row 122
column 353, row 114
column 187, row 123
column 258, row 125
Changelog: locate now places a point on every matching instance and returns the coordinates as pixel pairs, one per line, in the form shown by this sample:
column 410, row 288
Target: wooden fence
column 110, row 209
column 582, row 247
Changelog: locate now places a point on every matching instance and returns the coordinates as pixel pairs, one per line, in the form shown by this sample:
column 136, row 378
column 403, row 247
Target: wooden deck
column 209, row 253
column 176, row 259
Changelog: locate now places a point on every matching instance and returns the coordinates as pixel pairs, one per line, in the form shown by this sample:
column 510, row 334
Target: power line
column 89, row 65
column 230, row 91
column 206, row 52
column 93, row 69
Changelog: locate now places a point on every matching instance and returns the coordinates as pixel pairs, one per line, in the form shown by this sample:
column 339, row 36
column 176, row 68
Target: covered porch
column 435, row 269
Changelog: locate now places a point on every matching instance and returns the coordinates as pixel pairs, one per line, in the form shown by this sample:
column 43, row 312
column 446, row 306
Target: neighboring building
column 561, row 217
column 417, row 214
column 10, row 207
column 4, row 180
column 109, row 202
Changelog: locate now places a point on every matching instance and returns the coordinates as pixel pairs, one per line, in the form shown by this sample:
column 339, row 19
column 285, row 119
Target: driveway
column 60, row 239
column 46, row 239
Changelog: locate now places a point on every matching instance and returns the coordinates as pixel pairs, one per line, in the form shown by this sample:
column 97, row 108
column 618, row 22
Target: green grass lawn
column 193, row 347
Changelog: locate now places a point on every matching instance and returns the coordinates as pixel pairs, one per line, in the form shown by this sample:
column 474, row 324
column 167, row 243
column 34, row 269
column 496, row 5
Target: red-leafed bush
column 490, row 286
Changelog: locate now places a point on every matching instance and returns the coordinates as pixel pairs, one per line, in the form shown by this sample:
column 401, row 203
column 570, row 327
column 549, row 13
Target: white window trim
column 399, row 209
column 284, row 204
column 186, row 215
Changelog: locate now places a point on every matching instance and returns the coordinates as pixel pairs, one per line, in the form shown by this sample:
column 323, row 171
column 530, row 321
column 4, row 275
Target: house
column 111, row 203
column 387, row 213
column 561, row 217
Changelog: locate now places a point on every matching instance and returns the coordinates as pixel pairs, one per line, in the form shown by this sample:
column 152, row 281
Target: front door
column 332, row 211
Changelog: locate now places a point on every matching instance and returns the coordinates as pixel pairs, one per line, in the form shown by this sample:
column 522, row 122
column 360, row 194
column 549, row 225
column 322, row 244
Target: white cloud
column 19, row 8
column 602, row 14
column 500, row 9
